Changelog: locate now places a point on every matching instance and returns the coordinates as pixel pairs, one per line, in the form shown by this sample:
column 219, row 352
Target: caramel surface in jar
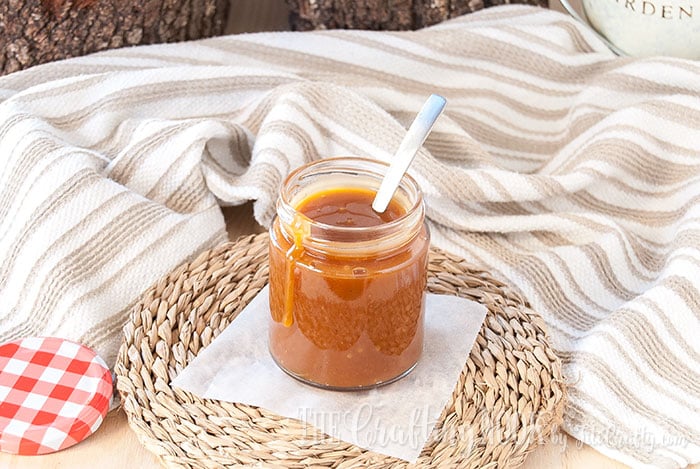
column 346, row 283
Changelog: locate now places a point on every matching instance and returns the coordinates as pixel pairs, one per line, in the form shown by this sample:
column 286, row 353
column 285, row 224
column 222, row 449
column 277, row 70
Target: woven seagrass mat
column 509, row 396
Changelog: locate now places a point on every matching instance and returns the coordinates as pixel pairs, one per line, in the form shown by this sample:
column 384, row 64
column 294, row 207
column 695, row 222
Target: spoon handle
column 411, row 143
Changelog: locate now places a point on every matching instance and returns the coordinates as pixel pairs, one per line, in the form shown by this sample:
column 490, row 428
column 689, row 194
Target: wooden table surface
column 115, row 446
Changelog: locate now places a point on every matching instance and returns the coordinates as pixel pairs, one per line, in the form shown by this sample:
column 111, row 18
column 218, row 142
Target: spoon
column 411, row 143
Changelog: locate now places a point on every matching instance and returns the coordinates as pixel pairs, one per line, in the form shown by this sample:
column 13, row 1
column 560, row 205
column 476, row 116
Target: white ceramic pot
column 645, row 28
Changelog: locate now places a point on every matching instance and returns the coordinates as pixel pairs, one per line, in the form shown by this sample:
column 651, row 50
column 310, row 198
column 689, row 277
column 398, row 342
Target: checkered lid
column 53, row 394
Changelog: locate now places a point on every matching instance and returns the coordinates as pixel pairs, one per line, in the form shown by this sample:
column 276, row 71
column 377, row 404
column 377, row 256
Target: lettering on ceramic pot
column 657, row 9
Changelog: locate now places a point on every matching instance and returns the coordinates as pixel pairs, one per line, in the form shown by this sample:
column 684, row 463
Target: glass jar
column 347, row 302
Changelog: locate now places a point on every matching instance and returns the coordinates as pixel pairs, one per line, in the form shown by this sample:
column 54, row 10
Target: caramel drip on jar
column 294, row 252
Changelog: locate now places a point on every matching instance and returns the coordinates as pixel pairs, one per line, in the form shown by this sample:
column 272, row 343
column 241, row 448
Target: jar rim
column 353, row 163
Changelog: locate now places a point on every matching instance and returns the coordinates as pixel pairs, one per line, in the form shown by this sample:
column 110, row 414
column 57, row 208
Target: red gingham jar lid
column 53, row 394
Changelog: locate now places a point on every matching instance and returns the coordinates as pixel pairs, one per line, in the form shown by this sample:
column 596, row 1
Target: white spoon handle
column 411, row 143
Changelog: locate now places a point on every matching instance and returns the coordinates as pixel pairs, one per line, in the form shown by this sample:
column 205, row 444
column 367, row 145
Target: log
column 383, row 14
column 38, row 31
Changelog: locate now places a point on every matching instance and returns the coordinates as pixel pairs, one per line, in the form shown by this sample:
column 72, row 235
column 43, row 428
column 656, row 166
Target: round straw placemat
column 509, row 396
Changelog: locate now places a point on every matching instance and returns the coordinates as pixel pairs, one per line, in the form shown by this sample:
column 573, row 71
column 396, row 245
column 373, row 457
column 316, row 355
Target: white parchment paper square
column 395, row 419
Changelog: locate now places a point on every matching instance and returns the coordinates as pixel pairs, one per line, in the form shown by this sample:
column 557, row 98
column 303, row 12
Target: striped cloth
column 571, row 174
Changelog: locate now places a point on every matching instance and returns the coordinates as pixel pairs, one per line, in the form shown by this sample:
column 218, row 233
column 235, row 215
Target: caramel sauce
column 335, row 207
column 344, row 321
column 348, row 208
column 293, row 253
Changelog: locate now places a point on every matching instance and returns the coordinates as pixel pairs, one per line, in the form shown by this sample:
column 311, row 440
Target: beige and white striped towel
column 570, row 173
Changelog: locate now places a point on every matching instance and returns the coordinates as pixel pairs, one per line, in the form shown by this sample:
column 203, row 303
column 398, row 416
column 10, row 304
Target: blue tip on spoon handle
column 411, row 143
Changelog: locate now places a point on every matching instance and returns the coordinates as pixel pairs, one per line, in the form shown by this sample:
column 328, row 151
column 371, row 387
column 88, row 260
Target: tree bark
column 38, row 31
column 383, row 14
